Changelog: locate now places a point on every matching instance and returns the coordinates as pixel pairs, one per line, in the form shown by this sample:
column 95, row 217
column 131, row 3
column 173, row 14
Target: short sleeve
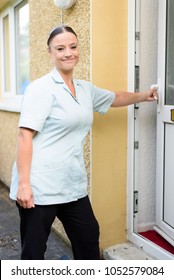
column 102, row 99
column 36, row 105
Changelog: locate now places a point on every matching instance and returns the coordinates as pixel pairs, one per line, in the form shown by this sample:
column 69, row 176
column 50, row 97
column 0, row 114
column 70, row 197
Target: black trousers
column 79, row 223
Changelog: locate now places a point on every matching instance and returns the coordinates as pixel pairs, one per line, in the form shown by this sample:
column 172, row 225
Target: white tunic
column 62, row 122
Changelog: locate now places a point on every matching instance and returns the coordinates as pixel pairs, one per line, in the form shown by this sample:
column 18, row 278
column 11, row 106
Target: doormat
column 156, row 238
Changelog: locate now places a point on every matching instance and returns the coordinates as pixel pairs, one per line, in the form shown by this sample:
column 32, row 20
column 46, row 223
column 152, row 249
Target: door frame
column 161, row 227
column 147, row 245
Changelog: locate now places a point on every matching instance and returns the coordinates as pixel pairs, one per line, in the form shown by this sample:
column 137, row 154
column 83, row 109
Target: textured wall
column 8, row 136
column 44, row 16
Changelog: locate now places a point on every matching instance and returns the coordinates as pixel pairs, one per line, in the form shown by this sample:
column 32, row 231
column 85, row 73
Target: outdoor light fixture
column 64, row 4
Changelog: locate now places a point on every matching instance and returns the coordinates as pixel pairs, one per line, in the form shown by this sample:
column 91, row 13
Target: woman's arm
column 126, row 98
column 24, row 157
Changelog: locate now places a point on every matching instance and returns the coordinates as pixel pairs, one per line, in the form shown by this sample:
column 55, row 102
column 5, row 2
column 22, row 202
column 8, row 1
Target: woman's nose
column 68, row 52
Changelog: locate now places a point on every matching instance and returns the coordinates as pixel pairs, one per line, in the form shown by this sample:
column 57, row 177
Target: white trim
column 164, row 235
column 9, row 101
column 3, row 15
column 12, row 104
column 163, row 119
column 90, row 77
column 12, row 55
column 131, row 78
column 10, row 13
column 148, row 246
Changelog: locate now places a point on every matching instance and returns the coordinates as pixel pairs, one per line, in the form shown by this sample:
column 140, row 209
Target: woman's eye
column 74, row 47
column 59, row 49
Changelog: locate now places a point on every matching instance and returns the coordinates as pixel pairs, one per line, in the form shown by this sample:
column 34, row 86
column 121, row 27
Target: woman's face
column 64, row 51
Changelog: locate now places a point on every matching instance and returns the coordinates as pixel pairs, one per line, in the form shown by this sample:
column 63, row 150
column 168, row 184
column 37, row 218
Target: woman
column 49, row 177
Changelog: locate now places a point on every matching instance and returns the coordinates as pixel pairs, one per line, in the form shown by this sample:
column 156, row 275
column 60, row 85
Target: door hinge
column 136, row 145
column 135, row 201
column 137, row 36
column 137, row 78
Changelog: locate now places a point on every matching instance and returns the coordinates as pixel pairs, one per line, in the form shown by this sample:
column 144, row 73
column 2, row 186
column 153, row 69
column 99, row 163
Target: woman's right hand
column 25, row 196
column 24, row 158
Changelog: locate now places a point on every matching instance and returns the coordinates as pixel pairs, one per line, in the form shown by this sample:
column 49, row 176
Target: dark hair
column 58, row 30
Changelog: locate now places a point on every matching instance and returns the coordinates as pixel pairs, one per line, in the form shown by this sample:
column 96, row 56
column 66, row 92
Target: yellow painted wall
column 109, row 134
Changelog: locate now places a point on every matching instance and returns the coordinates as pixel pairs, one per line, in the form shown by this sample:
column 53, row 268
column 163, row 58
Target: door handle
column 156, row 86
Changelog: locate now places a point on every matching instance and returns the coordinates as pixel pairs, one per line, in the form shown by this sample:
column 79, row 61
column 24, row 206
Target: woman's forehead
column 64, row 38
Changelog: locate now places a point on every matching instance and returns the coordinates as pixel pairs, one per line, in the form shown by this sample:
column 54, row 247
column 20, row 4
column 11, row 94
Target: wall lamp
column 64, row 4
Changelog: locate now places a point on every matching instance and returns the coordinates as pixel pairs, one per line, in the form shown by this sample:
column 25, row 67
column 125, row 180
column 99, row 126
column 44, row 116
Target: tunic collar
column 58, row 78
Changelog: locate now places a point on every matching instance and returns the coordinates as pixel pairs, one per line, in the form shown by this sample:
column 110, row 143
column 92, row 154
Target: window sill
column 11, row 104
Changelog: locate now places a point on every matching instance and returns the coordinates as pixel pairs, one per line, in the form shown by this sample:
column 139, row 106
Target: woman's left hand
column 151, row 95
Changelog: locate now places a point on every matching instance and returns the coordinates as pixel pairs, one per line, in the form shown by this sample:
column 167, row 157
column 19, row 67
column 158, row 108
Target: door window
column 169, row 97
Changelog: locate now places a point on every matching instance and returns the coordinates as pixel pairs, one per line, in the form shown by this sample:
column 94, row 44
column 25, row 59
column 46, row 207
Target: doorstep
column 125, row 251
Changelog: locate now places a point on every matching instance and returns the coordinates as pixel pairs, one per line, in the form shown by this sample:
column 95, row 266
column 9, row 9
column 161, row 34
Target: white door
column 165, row 123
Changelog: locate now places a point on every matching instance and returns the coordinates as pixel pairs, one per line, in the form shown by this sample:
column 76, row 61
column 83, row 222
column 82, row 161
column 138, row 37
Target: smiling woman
column 49, row 177
column 49, row 169
column 64, row 52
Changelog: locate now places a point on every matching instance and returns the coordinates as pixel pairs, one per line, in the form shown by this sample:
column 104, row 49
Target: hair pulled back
column 58, row 30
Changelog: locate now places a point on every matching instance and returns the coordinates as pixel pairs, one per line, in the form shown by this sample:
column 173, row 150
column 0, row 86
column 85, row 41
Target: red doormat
column 153, row 236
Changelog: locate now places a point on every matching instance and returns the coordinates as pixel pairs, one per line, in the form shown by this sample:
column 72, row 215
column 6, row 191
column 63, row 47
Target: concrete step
column 125, row 251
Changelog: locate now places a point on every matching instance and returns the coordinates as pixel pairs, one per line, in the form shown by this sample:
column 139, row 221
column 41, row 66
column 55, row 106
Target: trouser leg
column 82, row 228
column 35, row 226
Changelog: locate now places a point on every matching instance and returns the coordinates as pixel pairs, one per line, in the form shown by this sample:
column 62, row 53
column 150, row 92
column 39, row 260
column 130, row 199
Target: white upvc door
column 165, row 123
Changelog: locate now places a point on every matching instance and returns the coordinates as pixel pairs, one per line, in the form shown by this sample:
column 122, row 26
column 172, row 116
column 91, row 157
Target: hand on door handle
column 155, row 87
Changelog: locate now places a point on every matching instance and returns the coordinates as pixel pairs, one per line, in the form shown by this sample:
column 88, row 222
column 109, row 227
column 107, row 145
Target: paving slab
column 125, row 251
